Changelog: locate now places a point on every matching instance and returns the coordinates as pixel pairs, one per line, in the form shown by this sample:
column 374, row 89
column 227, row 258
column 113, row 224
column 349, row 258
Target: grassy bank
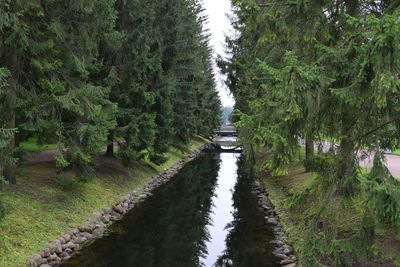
column 41, row 211
column 32, row 146
column 284, row 190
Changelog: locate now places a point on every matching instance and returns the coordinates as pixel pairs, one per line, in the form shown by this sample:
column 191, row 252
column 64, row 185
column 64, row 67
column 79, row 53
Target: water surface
column 206, row 216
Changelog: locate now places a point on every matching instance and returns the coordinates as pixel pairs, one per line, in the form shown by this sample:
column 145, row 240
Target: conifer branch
column 270, row 4
column 374, row 130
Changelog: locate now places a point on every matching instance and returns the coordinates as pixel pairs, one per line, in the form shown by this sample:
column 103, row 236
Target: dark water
column 206, row 216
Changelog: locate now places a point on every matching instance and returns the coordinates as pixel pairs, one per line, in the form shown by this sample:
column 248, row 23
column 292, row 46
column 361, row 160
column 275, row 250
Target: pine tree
column 187, row 58
column 18, row 26
column 82, row 113
column 6, row 135
column 321, row 70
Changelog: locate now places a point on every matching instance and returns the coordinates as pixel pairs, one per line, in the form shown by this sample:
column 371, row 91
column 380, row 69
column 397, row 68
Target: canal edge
column 282, row 249
column 61, row 249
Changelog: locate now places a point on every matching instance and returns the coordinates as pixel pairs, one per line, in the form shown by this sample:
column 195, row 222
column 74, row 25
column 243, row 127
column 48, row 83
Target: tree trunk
column 11, row 61
column 9, row 171
column 110, row 146
column 346, row 166
column 309, row 149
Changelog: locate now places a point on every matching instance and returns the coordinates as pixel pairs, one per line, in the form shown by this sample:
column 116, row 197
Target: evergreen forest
column 119, row 92
column 99, row 75
column 312, row 72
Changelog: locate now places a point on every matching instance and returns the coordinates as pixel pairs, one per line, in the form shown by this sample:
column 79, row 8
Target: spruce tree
column 321, row 70
column 6, row 135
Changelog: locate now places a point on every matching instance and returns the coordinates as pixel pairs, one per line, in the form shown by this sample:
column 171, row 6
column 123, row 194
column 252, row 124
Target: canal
column 206, row 216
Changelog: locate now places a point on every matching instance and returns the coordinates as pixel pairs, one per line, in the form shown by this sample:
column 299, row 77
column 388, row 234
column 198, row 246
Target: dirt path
column 392, row 161
column 44, row 156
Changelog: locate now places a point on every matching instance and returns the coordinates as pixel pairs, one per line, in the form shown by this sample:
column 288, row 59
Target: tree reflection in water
column 168, row 229
column 247, row 243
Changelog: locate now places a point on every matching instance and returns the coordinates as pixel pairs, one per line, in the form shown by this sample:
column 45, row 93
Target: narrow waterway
column 206, row 216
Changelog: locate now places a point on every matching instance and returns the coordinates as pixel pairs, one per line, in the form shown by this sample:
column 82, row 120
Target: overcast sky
column 219, row 26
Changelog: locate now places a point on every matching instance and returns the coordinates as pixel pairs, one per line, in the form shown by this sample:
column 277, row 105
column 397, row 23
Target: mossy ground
column 40, row 211
column 349, row 213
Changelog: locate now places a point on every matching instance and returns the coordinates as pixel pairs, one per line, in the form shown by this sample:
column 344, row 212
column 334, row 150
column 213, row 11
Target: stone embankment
column 283, row 251
column 61, row 249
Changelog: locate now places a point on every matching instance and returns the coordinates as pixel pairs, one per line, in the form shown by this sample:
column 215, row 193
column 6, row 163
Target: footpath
column 366, row 158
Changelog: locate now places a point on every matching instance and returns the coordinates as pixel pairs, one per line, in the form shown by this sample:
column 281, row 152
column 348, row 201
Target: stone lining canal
column 206, row 216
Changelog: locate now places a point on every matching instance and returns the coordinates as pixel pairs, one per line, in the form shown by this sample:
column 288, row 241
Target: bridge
column 226, row 139
column 226, row 130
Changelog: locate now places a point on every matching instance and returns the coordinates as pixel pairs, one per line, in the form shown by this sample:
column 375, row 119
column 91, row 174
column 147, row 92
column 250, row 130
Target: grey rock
column 115, row 214
column 46, row 252
column 119, row 210
column 37, row 258
column 69, row 245
column 106, row 218
column 287, row 250
column 68, row 250
column 79, row 240
column 272, row 221
column 287, row 261
column 98, row 232
column 75, row 231
column 97, row 215
column 281, row 256
column 31, row 263
column 86, row 228
column 62, row 240
column 51, row 247
column 52, row 257
column 67, row 238
column 45, row 265
column 107, row 211
column 266, row 207
column 277, row 242
column 88, row 236
column 58, row 246
column 115, row 217
column 290, row 265
column 64, row 254
column 278, row 251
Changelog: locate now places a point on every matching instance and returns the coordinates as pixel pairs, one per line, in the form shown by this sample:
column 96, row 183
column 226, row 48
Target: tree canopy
column 307, row 71
column 91, row 74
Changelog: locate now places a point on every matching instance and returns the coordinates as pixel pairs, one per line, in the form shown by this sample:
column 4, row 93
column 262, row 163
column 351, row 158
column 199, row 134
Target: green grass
column 396, row 152
column 41, row 211
column 348, row 213
column 32, row 146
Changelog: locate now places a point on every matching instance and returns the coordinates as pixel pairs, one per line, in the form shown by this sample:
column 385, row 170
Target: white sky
column 219, row 26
